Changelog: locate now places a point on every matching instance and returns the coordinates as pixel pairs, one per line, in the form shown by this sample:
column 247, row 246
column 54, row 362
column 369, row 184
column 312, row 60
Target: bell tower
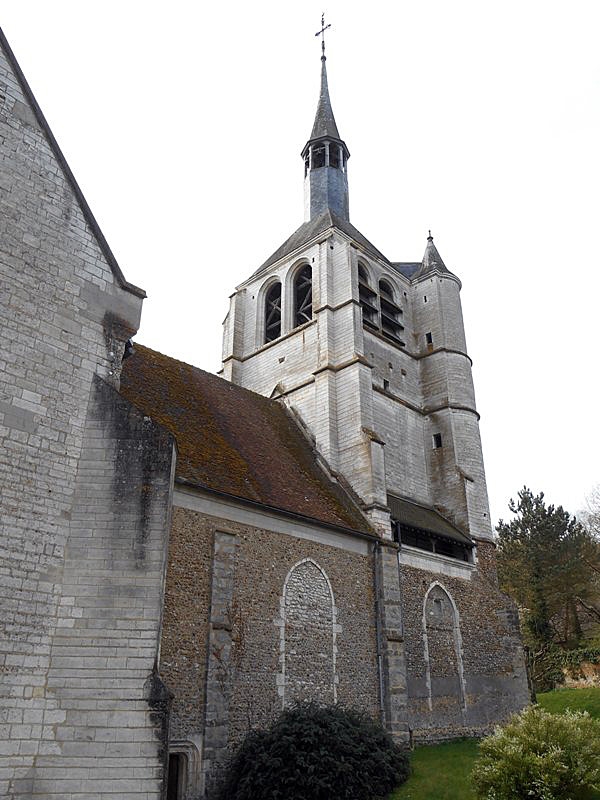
column 371, row 355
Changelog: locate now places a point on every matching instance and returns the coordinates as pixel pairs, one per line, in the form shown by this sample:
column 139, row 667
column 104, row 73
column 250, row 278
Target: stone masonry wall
column 482, row 658
column 252, row 661
column 108, row 736
column 75, row 614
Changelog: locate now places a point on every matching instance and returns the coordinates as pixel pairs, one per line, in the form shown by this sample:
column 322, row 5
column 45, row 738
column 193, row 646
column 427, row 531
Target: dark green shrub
column 540, row 756
column 316, row 753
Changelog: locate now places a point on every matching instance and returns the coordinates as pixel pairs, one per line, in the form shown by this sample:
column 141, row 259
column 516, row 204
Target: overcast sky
column 183, row 123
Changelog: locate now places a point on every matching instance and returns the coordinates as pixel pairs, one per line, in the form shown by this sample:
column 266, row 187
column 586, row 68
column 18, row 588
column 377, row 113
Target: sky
column 183, row 123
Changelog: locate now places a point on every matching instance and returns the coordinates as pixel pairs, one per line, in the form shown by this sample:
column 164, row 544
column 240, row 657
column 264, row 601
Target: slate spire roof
column 316, row 227
column 324, row 124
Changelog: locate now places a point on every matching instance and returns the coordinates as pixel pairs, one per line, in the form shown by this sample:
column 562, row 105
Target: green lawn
column 575, row 699
column 441, row 772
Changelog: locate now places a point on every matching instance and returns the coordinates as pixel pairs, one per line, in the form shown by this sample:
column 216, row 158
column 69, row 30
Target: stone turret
column 325, row 162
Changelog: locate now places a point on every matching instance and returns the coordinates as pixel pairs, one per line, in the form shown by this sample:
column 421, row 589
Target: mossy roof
column 235, row 441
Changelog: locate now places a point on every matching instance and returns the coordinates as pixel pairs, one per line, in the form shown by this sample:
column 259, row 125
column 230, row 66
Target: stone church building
column 185, row 554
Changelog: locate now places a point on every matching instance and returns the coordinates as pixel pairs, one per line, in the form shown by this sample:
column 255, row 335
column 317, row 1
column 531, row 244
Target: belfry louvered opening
column 303, row 296
column 367, row 299
column 391, row 313
column 273, row 313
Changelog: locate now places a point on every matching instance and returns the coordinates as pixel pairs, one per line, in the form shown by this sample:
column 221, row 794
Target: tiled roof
column 235, row 441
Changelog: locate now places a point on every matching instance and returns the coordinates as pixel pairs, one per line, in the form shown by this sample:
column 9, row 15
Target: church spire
column 325, row 156
column 324, row 124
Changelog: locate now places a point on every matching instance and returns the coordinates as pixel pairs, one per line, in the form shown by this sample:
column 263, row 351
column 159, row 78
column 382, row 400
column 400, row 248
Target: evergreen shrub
column 540, row 756
column 316, row 753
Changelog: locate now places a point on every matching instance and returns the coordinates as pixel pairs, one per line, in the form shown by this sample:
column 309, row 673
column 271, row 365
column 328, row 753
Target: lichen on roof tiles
column 232, row 440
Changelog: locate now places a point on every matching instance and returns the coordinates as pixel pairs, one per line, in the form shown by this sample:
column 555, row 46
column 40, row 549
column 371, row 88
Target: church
column 186, row 554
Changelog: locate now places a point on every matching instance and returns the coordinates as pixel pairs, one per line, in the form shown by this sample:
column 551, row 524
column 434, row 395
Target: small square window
column 437, row 441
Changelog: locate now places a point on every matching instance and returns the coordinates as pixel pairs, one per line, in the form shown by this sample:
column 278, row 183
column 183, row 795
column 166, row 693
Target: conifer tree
column 545, row 562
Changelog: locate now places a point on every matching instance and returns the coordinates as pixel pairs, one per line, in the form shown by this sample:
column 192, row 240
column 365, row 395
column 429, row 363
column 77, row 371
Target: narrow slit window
column 437, row 441
column 429, row 338
column 273, row 313
column 303, row 296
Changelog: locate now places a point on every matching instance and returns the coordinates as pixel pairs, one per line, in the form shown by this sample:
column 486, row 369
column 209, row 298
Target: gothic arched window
column 444, row 669
column 303, row 296
column 308, row 633
column 273, row 313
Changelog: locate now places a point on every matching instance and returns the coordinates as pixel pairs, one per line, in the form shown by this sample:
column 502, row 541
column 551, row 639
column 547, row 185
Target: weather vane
column 321, row 33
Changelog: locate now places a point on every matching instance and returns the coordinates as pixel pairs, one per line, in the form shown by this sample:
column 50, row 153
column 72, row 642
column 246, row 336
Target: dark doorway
column 176, row 777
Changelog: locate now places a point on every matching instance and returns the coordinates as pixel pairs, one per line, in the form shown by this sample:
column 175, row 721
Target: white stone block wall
column 65, row 311
column 400, row 395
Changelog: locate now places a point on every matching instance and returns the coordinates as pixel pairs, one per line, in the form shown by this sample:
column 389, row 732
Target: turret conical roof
column 432, row 260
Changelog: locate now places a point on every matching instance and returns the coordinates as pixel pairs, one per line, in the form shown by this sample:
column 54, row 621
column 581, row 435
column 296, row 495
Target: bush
column 316, row 753
column 540, row 756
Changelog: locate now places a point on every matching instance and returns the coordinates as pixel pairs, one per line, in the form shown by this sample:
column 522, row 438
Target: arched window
column 367, row 298
column 390, row 312
column 273, row 313
column 303, row 296
column 444, row 670
column 308, row 630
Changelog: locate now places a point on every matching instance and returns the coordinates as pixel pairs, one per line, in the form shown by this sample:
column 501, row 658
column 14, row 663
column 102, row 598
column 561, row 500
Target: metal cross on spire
column 321, row 33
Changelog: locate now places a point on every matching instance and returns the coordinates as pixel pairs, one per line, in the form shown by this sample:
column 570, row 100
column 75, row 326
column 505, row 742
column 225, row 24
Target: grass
column 441, row 772
column 558, row 701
